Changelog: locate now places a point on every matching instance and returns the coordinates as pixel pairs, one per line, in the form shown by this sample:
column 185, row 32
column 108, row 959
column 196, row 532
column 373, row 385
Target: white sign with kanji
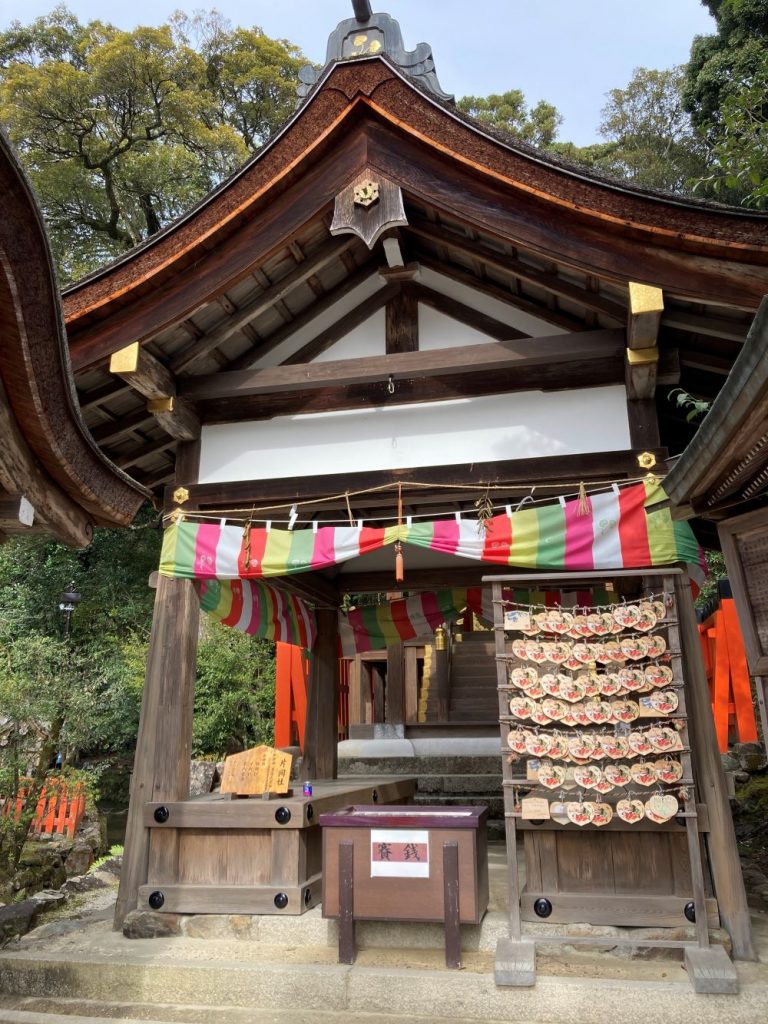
column 399, row 853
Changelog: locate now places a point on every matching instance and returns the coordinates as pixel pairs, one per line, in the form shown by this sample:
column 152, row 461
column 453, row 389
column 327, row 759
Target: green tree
column 121, row 132
column 721, row 64
column 234, row 693
column 509, row 111
column 652, row 140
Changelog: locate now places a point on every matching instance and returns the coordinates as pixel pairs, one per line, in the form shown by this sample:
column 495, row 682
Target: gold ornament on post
column 181, row 495
column 647, row 460
column 366, row 193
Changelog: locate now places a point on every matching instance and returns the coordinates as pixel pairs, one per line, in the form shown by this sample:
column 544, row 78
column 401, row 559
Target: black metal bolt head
column 310, row 812
column 281, row 901
column 156, row 899
column 542, row 907
column 161, row 815
column 375, row 796
column 282, row 815
column 690, row 911
column 307, row 897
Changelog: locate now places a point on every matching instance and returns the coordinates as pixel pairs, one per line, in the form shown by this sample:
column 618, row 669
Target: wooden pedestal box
column 398, row 861
column 217, row 855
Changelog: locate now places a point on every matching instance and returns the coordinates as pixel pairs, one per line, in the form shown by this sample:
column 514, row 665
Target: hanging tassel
column 246, row 545
column 399, row 565
column 584, row 507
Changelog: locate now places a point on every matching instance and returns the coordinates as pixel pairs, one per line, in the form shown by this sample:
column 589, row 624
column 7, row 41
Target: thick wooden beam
column 402, row 322
column 164, row 744
column 327, row 253
column 559, row 470
column 467, row 315
column 643, row 423
column 322, row 727
column 519, row 354
column 147, row 375
column 514, row 267
column 646, row 305
column 394, row 695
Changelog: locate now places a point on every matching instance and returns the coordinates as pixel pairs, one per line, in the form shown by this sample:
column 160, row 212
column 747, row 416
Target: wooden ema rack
column 643, row 874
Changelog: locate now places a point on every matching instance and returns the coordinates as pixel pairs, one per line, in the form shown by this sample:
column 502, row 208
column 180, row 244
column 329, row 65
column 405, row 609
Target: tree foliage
column 121, row 132
column 509, row 111
column 653, row 140
column 722, row 63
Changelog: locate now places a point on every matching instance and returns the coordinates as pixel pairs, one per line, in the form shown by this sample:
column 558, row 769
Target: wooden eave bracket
column 147, row 375
column 646, row 305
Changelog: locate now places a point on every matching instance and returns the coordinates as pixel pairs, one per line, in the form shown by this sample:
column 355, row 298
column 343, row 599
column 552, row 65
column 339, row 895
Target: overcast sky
column 570, row 52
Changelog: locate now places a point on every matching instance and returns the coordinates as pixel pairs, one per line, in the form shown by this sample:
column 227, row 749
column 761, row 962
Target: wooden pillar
column 395, row 691
column 163, row 747
column 321, row 732
column 721, row 839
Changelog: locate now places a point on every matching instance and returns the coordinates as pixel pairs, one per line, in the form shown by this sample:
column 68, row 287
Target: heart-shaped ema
column 522, row 707
column 598, row 712
column 658, row 675
column 558, row 812
column 634, row 647
column 554, row 709
column 550, row 683
column 524, row 676
column 603, row 786
column 551, row 775
column 630, row 811
column 536, row 745
column 558, row 747
column 601, row 814
column 609, row 684
column 664, row 739
column 625, row 710
column 668, row 771
column 656, row 645
column 516, row 740
column 579, row 813
column 665, row 701
column 661, row 807
column 626, row 615
column 617, row 774
column 640, row 743
column 581, row 747
column 643, row 774
column 587, row 776
column 571, row 690
column 647, row 620
column 520, row 648
column 615, row 746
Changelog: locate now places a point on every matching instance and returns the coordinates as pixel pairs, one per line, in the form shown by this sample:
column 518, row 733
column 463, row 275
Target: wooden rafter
column 271, row 295
column 496, row 291
column 512, row 267
column 108, row 433
column 268, row 344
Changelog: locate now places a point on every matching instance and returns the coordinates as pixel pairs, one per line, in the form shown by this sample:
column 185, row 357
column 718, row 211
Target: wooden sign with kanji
column 256, row 771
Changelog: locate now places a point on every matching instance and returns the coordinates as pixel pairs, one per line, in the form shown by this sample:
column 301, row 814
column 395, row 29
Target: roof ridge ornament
column 368, row 34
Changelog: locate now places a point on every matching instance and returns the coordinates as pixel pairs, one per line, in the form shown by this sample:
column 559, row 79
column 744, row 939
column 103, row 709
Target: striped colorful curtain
column 259, row 609
column 621, row 530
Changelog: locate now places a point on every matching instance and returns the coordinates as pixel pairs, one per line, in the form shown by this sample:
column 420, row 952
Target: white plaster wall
column 535, row 327
column 526, row 425
column 436, row 330
column 369, row 339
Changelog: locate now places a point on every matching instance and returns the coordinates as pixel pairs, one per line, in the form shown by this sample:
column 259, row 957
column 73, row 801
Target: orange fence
column 58, row 811
column 291, row 677
column 728, row 676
